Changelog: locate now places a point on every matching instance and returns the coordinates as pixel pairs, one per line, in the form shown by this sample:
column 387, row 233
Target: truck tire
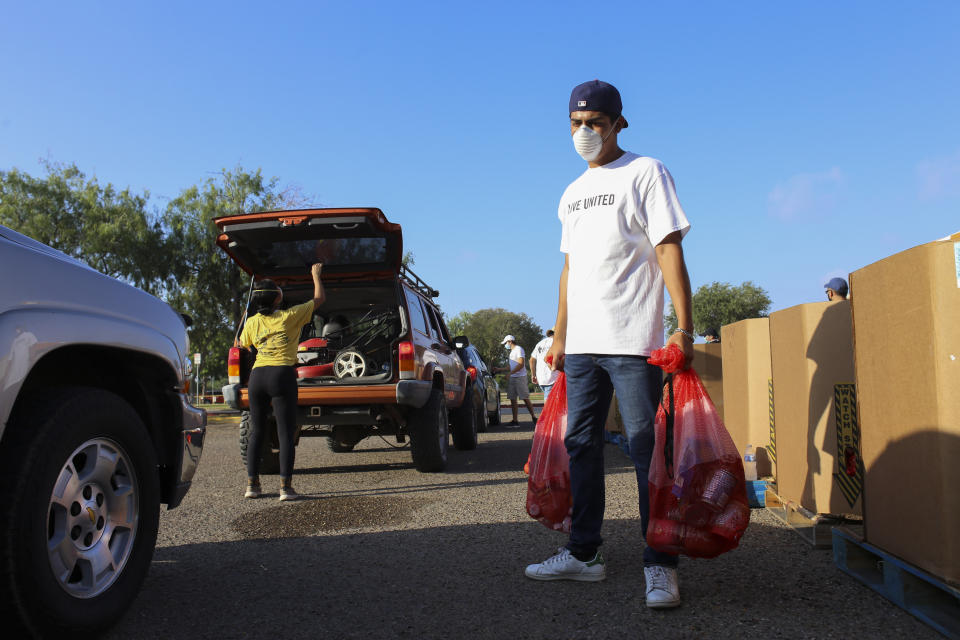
column 80, row 510
column 429, row 435
column 269, row 449
column 465, row 423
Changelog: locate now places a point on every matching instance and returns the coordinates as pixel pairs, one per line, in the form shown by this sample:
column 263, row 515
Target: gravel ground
column 379, row 550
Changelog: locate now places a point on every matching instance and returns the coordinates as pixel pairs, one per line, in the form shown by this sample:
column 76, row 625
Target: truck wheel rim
column 92, row 518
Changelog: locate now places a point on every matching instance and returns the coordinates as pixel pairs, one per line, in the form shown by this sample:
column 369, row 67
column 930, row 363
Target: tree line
column 171, row 252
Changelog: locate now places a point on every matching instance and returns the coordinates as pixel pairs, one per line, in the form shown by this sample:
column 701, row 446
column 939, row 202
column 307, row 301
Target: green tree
column 721, row 303
column 457, row 325
column 487, row 327
column 107, row 228
column 209, row 286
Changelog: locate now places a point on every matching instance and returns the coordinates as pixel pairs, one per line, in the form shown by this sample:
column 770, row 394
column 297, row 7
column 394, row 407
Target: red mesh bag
column 548, row 486
column 698, row 497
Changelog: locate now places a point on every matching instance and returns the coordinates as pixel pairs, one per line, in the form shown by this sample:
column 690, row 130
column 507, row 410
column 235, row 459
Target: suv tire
column 344, row 439
column 339, row 447
column 269, row 454
column 91, row 447
column 429, row 434
column 465, row 423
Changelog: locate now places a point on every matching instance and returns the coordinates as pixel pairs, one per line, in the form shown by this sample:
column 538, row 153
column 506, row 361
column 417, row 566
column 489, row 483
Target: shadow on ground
column 467, row 581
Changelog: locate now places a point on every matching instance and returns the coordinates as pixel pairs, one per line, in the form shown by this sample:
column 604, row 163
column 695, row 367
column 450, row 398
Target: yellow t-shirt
column 276, row 336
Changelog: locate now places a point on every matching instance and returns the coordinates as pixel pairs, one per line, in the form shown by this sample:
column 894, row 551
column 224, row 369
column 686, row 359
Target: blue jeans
column 546, row 391
column 591, row 380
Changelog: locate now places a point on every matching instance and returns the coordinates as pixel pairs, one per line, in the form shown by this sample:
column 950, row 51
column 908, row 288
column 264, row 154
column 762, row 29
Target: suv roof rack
column 417, row 282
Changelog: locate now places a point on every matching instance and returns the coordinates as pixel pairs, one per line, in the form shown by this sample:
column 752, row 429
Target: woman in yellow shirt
column 275, row 334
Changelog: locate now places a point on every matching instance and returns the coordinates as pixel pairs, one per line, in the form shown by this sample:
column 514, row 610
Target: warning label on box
column 772, row 447
column 849, row 473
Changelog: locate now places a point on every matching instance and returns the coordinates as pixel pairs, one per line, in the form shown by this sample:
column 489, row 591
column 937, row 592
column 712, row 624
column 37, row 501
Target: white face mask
column 588, row 142
column 508, row 347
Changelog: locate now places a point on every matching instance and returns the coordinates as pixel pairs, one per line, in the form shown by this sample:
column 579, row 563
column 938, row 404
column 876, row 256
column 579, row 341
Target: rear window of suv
column 330, row 251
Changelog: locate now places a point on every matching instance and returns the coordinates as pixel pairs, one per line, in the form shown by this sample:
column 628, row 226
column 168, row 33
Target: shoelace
column 560, row 556
column 658, row 579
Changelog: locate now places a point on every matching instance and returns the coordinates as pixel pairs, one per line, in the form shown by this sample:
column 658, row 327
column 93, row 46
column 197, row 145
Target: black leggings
column 278, row 384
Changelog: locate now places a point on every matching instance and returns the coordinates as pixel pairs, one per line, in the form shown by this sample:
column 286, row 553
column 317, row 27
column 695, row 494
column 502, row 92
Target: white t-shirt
column 545, row 375
column 517, row 355
column 611, row 219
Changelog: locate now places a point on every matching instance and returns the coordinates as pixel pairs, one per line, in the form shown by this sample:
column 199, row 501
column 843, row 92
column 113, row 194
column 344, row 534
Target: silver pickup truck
column 96, row 432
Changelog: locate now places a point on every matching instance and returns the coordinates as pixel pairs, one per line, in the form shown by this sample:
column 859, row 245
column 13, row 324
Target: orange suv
column 377, row 359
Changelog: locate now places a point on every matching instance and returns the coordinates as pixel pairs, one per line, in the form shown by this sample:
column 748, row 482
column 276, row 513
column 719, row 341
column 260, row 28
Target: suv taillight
column 233, row 365
column 473, row 373
column 405, row 351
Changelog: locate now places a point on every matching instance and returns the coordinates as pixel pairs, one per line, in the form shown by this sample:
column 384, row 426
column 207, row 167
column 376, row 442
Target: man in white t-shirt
column 621, row 229
column 540, row 371
column 516, row 380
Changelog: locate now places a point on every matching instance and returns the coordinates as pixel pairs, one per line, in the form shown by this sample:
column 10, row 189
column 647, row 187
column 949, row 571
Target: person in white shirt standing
column 516, row 379
column 621, row 231
column 540, row 371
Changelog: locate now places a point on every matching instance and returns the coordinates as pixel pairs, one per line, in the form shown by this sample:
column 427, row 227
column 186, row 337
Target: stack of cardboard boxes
column 708, row 363
column 858, row 403
column 746, row 389
column 814, row 406
column 906, row 318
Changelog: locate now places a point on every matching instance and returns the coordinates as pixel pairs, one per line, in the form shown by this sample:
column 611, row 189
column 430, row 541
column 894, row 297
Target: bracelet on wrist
column 686, row 333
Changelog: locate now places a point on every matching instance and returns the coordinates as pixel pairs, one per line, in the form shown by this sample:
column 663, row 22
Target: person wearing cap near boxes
column 516, row 379
column 540, row 371
column 621, row 231
column 836, row 289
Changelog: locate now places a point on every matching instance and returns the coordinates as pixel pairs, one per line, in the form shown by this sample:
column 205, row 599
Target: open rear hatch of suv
column 352, row 336
column 281, row 245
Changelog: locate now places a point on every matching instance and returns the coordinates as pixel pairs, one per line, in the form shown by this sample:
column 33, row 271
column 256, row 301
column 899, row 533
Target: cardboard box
column 747, row 389
column 907, row 314
column 814, row 402
column 708, row 363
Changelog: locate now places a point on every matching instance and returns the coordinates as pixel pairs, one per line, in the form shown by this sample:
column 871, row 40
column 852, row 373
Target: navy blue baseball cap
column 597, row 95
column 837, row 284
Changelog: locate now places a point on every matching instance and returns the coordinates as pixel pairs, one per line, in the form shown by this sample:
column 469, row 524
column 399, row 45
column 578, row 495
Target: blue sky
column 806, row 141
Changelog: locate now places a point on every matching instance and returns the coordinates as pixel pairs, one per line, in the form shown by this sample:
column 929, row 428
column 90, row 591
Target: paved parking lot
column 379, row 550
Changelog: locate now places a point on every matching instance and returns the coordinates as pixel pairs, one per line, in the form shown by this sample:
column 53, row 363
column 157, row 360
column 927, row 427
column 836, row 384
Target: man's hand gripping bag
column 698, row 498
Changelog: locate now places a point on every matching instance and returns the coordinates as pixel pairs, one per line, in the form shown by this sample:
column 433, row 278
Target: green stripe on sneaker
column 597, row 559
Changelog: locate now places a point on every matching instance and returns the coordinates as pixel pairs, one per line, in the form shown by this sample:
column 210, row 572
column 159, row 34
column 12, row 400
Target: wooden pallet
column 815, row 528
column 924, row 596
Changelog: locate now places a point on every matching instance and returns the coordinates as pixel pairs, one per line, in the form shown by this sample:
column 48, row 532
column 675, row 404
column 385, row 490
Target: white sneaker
column 663, row 591
column 288, row 493
column 563, row 566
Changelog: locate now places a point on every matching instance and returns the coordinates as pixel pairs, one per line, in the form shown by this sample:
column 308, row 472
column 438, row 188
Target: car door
column 491, row 390
column 446, row 355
